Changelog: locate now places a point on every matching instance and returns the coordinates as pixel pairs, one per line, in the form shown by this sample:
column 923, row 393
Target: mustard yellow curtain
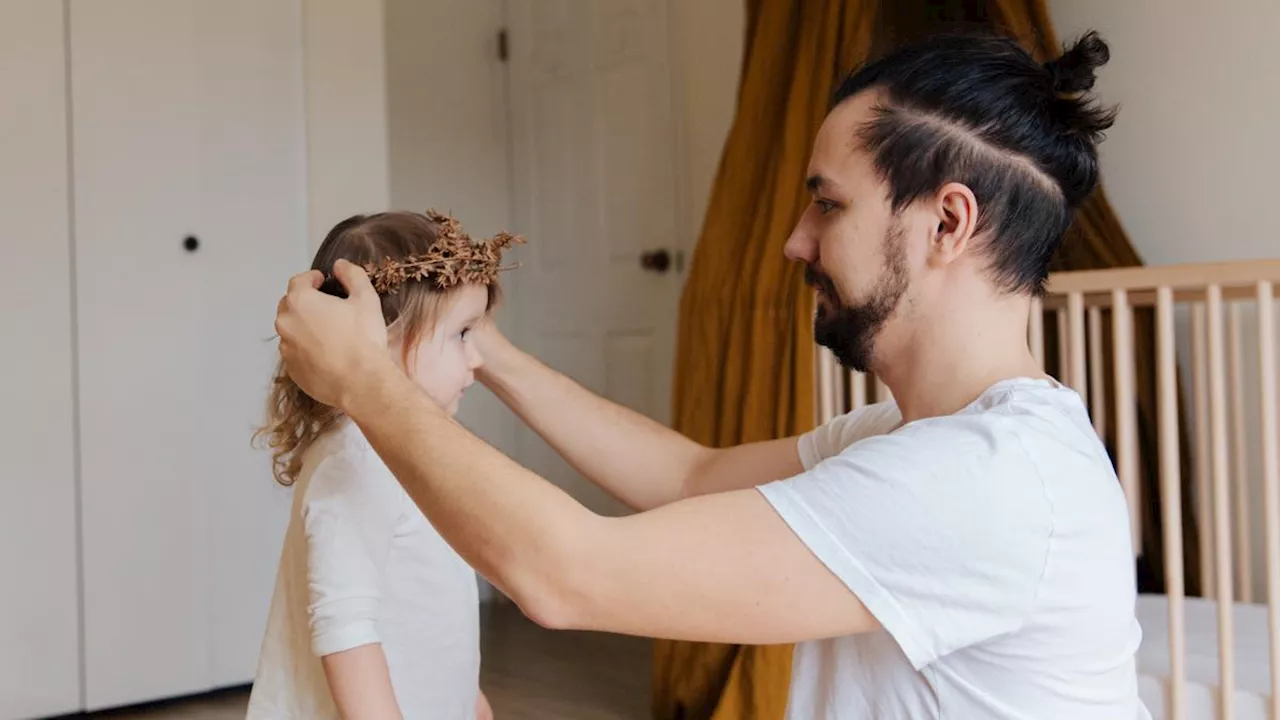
column 744, row 359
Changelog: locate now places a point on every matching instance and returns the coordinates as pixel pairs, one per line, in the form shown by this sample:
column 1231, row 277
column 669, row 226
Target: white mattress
column 1253, row 684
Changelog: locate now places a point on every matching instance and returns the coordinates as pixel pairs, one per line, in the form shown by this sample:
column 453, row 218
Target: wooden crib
column 1203, row 317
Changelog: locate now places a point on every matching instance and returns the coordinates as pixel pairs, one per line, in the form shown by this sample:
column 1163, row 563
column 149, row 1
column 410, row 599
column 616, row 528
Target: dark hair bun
column 1071, row 77
column 1075, row 71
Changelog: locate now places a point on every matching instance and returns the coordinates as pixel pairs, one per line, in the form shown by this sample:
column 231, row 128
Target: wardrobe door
column 188, row 140
column 39, row 609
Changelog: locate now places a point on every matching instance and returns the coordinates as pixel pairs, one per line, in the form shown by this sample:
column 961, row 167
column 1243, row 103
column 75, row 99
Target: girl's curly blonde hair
column 383, row 243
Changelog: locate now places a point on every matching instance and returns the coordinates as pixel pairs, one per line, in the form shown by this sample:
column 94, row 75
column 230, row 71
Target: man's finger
column 309, row 280
column 354, row 279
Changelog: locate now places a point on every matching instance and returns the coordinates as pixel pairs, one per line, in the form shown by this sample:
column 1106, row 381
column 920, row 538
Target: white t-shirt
column 993, row 547
column 362, row 565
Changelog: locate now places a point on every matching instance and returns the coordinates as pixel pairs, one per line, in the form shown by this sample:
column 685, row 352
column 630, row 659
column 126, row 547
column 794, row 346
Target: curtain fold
column 744, row 367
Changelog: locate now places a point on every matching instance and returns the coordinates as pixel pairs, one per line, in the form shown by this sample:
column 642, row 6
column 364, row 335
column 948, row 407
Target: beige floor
column 528, row 673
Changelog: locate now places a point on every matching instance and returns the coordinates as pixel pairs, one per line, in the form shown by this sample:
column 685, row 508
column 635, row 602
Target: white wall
column 708, row 40
column 346, row 111
column 447, row 110
column 1190, row 162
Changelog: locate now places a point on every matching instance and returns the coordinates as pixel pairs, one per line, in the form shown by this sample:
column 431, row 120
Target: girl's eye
column 465, row 332
column 825, row 206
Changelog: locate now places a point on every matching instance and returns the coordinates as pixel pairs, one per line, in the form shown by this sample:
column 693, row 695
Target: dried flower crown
column 453, row 259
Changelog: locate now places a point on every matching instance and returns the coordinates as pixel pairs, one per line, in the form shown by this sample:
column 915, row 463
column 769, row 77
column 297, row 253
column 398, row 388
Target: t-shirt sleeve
column 941, row 529
column 831, row 438
column 350, row 512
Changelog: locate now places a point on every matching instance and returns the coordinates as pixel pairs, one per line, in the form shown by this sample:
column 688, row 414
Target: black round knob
column 191, row 243
column 658, row 261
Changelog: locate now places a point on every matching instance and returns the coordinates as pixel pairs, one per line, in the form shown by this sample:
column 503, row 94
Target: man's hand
column 327, row 343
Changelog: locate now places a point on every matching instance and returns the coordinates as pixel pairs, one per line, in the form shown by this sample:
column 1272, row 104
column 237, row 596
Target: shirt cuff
column 808, row 447
column 343, row 625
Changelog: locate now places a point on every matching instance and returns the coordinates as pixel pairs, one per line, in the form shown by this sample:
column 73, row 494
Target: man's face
column 855, row 250
column 850, row 329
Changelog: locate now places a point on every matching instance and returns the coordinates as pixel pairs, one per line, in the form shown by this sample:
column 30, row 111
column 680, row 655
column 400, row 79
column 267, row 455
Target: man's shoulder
column 1020, row 409
column 1006, row 427
column 870, row 420
column 1010, row 420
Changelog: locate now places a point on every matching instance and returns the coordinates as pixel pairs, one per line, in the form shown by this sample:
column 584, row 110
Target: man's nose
column 801, row 246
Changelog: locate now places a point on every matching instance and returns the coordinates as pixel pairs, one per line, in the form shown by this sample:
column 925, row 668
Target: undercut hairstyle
column 977, row 109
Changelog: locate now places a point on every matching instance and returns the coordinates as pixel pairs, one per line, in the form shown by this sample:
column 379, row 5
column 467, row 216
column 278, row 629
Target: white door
column 39, row 610
column 189, row 200
column 596, row 191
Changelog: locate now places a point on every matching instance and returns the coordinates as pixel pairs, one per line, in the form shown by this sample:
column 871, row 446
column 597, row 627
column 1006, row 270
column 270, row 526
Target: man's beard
column 850, row 331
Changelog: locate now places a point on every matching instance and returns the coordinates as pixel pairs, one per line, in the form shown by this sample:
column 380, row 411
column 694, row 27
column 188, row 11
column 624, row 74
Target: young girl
column 373, row 614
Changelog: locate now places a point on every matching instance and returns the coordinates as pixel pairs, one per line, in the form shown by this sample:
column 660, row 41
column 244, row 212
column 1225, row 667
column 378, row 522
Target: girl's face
column 444, row 363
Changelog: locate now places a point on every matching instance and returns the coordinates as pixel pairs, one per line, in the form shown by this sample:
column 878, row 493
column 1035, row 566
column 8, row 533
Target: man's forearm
column 636, row 459
column 510, row 525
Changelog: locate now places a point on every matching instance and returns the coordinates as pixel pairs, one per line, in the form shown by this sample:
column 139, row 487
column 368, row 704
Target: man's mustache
column 815, row 278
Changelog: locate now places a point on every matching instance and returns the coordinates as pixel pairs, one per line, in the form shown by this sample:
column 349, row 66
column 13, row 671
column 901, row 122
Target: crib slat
column 1270, row 476
column 1126, row 412
column 1097, row 386
column 1078, row 380
column 1221, row 504
column 1064, row 366
column 1035, row 331
column 882, row 391
column 1240, row 471
column 826, row 379
column 841, row 378
column 1204, row 493
column 859, row 390
column 1171, row 498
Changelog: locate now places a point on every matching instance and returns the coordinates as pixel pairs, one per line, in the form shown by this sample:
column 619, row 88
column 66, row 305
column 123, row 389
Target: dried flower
column 452, row 260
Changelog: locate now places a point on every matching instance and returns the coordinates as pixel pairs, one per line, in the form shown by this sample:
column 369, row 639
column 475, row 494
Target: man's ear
column 956, row 212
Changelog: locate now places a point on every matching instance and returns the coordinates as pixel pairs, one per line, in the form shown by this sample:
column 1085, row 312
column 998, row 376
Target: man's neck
column 946, row 363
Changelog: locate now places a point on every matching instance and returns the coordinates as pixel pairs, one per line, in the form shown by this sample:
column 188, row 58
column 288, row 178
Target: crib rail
column 1228, row 403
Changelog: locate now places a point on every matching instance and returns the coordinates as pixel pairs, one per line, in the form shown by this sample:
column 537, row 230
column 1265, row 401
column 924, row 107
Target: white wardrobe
column 153, row 202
